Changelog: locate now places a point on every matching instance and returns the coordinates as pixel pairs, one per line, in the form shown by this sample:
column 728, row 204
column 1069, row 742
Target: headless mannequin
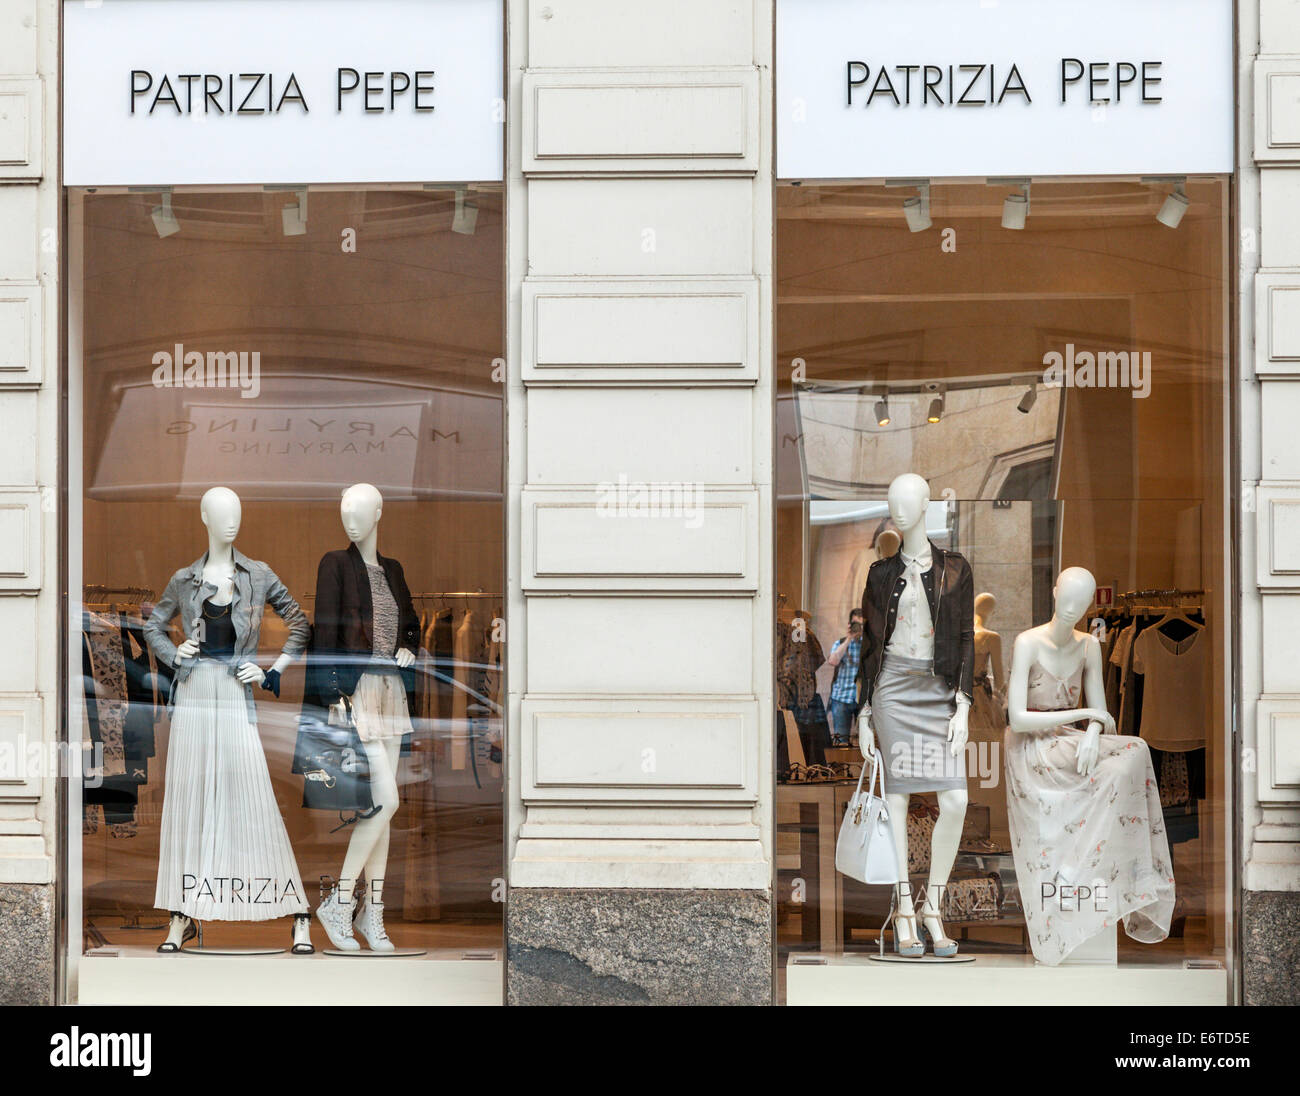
column 222, row 514
column 988, row 644
column 909, row 500
column 361, row 510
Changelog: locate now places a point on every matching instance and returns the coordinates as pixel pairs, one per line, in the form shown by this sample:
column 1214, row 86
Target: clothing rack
column 95, row 589
column 1170, row 598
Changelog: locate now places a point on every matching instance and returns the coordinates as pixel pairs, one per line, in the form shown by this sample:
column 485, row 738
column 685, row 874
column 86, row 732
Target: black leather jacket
column 950, row 590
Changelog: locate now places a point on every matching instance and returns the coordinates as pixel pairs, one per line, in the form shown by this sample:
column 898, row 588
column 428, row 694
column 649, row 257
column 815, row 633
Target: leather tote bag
column 865, row 850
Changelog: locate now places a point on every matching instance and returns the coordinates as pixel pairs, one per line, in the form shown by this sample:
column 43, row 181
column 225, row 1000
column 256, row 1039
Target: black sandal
column 299, row 948
column 191, row 931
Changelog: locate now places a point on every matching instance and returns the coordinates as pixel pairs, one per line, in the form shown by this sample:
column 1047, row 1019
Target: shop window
column 1059, row 382
column 308, row 382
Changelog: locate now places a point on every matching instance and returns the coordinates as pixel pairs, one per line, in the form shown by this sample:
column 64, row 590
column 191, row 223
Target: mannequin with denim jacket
column 909, row 501
column 340, row 914
column 218, row 571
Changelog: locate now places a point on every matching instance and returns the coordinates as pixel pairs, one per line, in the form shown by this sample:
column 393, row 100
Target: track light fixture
column 293, row 218
column 465, row 219
column 1015, row 209
column 1028, row 400
column 936, row 409
column 882, row 411
column 164, row 220
column 917, row 210
column 1171, row 213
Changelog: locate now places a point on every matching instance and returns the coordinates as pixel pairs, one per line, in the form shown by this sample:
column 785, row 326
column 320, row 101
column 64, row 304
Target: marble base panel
column 638, row 947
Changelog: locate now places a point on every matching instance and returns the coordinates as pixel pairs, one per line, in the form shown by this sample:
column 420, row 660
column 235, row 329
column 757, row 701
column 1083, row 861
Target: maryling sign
column 947, row 88
column 282, row 92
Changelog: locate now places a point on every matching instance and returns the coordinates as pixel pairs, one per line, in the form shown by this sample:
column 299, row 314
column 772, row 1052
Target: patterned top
column 845, row 687
column 383, row 629
column 913, row 635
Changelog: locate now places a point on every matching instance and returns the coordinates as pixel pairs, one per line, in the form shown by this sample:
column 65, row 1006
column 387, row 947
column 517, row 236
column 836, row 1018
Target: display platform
column 997, row 980
column 140, row 976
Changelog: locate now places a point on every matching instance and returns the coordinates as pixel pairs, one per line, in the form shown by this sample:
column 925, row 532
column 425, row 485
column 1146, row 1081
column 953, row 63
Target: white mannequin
column 909, row 500
column 221, row 513
column 988, row 644
column 361, row 509
column 1056, row 646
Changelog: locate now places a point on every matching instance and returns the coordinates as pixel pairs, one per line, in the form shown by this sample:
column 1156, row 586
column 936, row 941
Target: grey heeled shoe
column 915, row 947
column 942, row 946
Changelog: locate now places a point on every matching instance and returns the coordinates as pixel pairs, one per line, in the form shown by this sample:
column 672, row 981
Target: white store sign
column 944, row 88
column 282, row 91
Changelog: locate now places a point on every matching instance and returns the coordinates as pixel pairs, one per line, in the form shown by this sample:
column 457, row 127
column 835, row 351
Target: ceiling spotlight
column 917, row 210
column 164, row 220
column 466, row 217
column 936, row 409
column 1171, row 213
column 1027, row 401
column 293, row 218
column 1016, row 208
column 882, row 411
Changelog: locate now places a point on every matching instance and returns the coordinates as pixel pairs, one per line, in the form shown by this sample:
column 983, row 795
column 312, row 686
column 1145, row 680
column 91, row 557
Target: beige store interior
column 1025, row 478
column 379, row 329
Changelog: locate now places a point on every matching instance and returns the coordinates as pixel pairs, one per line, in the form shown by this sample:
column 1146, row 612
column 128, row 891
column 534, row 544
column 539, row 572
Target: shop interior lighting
column 1027, row 401
column 936, row 409
column 915, row 209
column 1015, row 209
column 293, row 218
column 466, row 216
column 1171, row 213
column 882, row 411
column 164, row 220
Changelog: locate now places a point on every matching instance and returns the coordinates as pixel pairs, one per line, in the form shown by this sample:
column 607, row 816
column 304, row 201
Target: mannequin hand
column 1102, row 719
column 188, row 649
column 1088, row 749
column 250, row 674
column 958, row 730
column 866, row 737
column 404, row 658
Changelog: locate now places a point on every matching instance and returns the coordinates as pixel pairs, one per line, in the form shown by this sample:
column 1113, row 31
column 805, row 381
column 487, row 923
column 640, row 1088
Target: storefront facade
column 633, row 330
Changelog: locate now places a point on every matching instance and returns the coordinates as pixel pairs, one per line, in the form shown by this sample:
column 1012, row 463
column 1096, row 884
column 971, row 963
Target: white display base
column 926, row 960
column 191, row 949
column 139, row 976
column 1099, row 950
column 366, row 953
column 998, row 980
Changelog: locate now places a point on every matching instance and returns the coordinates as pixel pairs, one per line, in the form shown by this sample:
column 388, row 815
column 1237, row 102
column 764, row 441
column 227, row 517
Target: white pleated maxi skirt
column 224, row 853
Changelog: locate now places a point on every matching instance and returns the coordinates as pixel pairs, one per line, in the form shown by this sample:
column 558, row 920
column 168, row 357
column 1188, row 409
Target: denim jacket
column 256, row 586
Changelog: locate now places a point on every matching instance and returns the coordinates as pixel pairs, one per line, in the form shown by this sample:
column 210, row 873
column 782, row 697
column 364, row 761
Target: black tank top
column 218, row 636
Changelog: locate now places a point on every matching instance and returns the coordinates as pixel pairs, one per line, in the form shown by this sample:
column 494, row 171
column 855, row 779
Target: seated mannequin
column 1087, row 830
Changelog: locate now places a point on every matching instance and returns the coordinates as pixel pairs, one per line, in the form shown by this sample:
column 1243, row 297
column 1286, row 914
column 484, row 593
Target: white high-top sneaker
column 369, row 922
column 336, row 919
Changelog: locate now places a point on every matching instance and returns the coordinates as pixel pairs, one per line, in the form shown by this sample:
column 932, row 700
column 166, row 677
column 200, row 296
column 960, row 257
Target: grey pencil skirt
column 910, row 710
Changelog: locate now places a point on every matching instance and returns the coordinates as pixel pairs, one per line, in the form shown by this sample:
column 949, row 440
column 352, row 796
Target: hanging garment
column 224, row 853
column 1173, row 688
column 107, row 687
column 1104, row 830
column 460, row 728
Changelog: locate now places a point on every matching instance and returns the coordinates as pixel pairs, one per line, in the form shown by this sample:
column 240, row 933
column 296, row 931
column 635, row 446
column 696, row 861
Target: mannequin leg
column 897, row 806
column 943, row 850
column 377, row 861
column 383, row 790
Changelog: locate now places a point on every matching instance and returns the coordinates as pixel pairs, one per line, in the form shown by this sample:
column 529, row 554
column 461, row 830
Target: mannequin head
column 360, row 509
column 909, row 497
column 985, row 604
column 1073, row 593
column 221, row 513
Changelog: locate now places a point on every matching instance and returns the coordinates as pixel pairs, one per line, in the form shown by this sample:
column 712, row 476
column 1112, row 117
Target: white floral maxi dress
column 1089, row 850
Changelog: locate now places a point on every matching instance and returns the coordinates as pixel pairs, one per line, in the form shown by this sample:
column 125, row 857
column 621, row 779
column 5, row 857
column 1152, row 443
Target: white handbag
column 865, row 850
